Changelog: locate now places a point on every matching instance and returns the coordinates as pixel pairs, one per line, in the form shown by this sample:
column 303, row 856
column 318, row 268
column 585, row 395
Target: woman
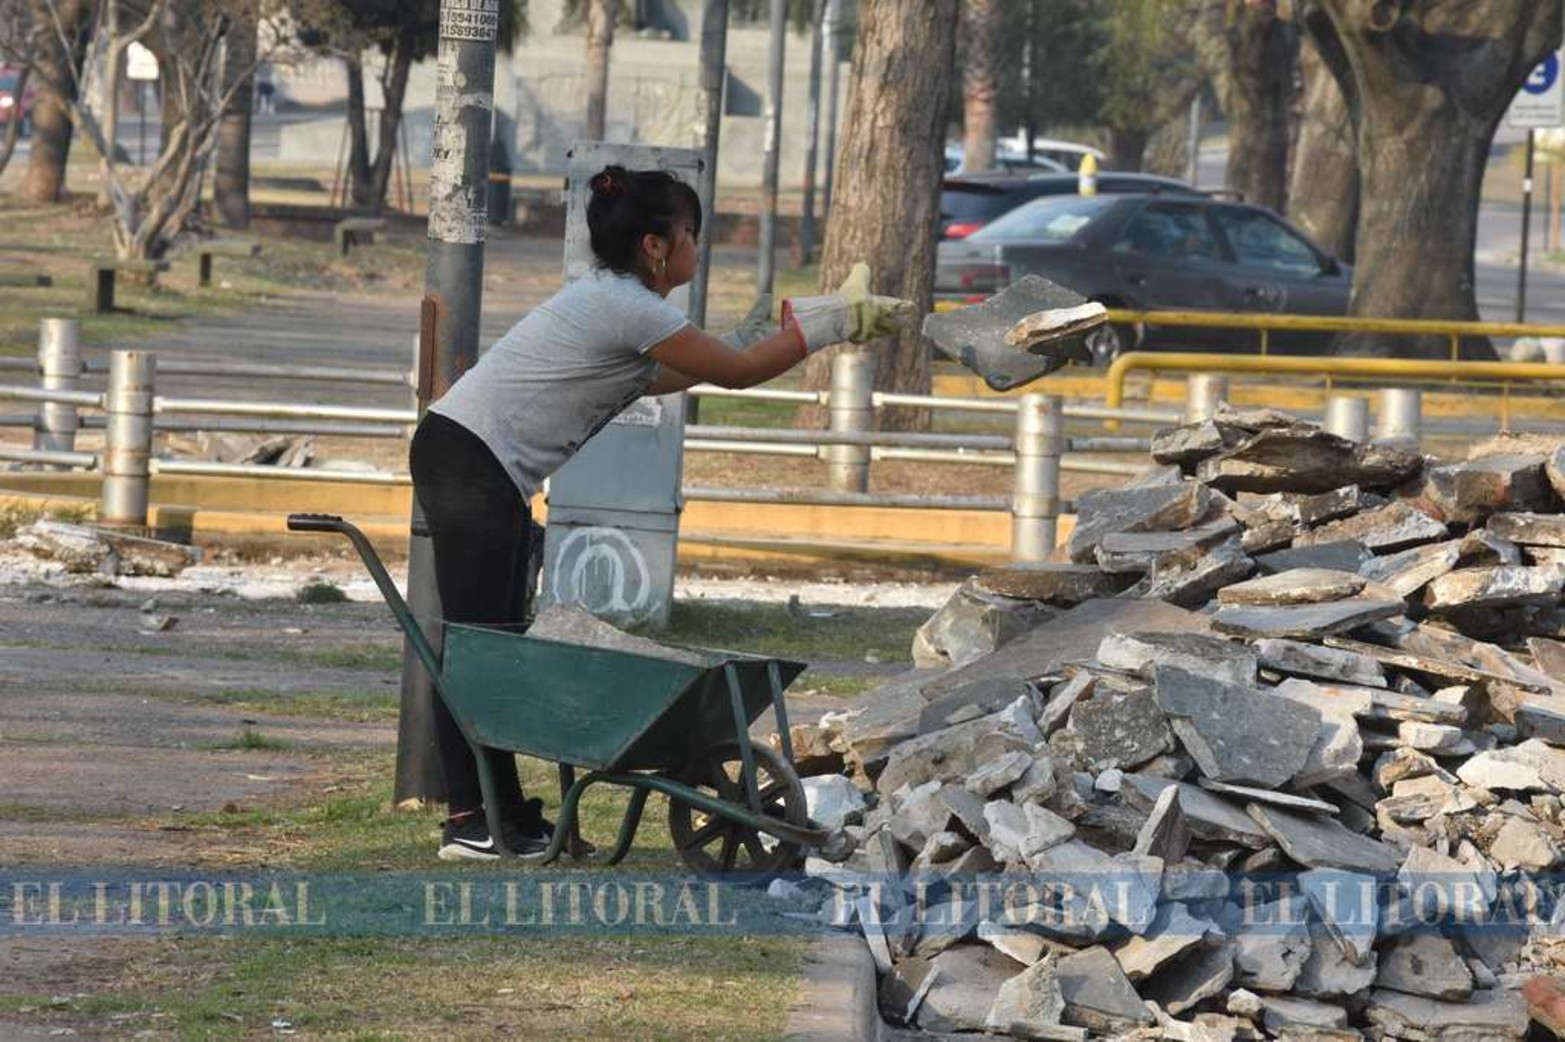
column 552, row 382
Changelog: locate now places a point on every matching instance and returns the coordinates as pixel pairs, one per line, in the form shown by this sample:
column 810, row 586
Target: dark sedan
column 970, row 201
column 1155, row 252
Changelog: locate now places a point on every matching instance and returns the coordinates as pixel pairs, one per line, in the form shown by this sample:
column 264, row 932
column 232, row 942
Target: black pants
column 479, row 529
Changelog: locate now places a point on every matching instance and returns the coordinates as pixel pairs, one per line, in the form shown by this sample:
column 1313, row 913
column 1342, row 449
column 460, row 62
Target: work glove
column 853, row 313
column 754, row 327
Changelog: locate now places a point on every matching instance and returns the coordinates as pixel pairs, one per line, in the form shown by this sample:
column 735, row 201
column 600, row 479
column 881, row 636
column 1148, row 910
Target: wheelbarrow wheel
column 711, row 844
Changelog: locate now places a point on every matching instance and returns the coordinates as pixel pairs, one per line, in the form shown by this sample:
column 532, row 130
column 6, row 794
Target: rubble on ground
column 1274, row 748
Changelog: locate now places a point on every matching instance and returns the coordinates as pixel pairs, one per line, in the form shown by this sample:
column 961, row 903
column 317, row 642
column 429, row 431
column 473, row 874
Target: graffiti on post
column 603, row 571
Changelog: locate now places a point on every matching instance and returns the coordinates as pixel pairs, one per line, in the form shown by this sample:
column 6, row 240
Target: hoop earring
column 659, row 265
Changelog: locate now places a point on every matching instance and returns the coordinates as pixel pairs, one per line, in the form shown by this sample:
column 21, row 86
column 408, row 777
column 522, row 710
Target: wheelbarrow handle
column 318, row 523
column 388, row 589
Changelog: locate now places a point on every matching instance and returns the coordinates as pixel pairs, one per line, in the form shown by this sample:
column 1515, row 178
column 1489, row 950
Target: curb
column 837, row 999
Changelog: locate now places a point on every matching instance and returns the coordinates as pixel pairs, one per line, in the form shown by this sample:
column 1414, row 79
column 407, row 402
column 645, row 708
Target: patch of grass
column 320, row 591
column 674, row 988
column 382, row 657
column 770, row 629
column 363, row 707
column 250, row 738
column 745, row 412
column 837, row 687
column 14, row 518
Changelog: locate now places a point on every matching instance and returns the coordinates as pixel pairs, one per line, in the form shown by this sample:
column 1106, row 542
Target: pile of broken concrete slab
column 1275, row 748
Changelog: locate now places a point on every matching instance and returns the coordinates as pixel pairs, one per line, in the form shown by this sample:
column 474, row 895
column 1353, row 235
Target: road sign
column 1541, row 101
column 140, row 63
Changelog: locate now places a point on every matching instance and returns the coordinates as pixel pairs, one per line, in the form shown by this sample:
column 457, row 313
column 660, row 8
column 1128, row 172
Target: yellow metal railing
column 1400, row 369
column 1266, row 324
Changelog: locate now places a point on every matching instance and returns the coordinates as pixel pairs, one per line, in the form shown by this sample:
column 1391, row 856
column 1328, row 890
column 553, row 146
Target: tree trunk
column 359, row 193
column 1128, row 147
column 1433, row 79
column 600, row 38
column 231, row 183
column 1257, row 98
column 980, row 82
column 885, row 213
column 51, row 141
column 394, row 88
column 1323, row 198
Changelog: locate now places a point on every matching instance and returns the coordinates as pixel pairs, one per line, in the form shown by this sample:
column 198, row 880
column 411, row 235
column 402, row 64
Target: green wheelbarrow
column 676, row 723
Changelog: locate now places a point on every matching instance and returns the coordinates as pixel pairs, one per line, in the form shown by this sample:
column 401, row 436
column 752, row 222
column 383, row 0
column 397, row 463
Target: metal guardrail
column 1266, row 324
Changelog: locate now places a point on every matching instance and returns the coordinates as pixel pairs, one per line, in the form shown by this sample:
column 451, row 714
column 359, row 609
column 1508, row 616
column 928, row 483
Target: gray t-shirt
column 572, row 365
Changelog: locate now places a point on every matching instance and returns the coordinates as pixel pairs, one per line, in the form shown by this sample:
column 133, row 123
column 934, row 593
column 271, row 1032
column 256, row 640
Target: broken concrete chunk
column 1347, row 904
column 1073, row 637
column 1121, row 729
column 1191, row 980
column 1060, row 585
column 919, row 815
column 1024, row 946
column 1138, row 552
column 1532, row 766
column 1310, row 511
column 971, row 701
column 1488, row 1015
column 1097, row 994
column 1501, row 587
column 1541, row 717
column 968, row 978
column 1442, row 887
column 1285, row 800
column 1395, row 526
column 1190, row 444
column 1209, row 817
column 1284, row 1013
column 1197, row 652
column 1521, row 844
column 1312, row 660
column 1317, row 842
column 1028, row 1002
column 1308, row 461
column 1296, row 586
column 1328, row 974
column 955, row 752
column 1237, row 733
column 1435, row 739
column 1339, row 746
column 1423, row 963
column 833, row 801
column 1409, row 571
column 1157, row 509
column 1166, row 833
column 1190, row 578
column 1467, row 493
column 1271, row 944
column 1304, row 620
column 998, row 773
column 972, row 624
column 1346, row 556
column 886, row 716
column 1020, row 833
column 1173, row 931
column 85, row 549
column 1529, row 529
column 1549, row 656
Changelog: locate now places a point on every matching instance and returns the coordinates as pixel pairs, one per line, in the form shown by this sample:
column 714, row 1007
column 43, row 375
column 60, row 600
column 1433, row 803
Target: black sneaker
column 467, row 840
column 527, row 844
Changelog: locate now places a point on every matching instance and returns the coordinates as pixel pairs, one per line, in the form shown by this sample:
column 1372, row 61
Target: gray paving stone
column 1395, row 526
column 1323, row 842
column 1488, row 1015
column 1191, row 980
column 1137, row 653
column 1121, row 729
column 1097, row 994
column 969, row 976
column 1060, row 584
column 1346, row 556
column 1209, row 817
column 1424, row 963
column 1307, row 461
column 1029, row 1002
column 1237, row 734
column 1295, row 586
column 1165, row 508
column 1305, row 620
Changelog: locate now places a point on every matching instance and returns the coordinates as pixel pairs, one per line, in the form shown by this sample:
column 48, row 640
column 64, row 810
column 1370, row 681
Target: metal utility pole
column 766, row 271
column 829, row 45
column 1521, row 275
column 1193, row 159
column 448, row 333
column 812, row 136
column 714, row 76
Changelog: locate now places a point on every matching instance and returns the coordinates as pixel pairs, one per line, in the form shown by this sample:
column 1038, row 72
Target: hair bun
column 609, row 182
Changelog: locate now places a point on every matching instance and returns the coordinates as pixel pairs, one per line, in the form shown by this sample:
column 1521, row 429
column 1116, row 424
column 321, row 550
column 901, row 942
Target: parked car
column 1155, row 252
column 12, row 105
column 969, row 202
column 1068, row 154
column 1005, row 162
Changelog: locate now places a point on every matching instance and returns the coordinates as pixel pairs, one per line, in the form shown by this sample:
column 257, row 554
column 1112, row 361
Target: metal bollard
column 1035, row 504
column 852, row 409
column 1347, row 416
column 1400, row 423
column 1204, row 393
column 127, row 450
column 59, row 369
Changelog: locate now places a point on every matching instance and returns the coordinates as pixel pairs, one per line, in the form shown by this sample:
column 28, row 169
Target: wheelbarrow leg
column 491, row 793
column 574, row 845
column 742, row 736
column 774, row 678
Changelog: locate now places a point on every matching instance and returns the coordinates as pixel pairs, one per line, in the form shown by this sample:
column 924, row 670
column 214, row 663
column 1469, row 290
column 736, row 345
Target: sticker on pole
column 140, row 63
column 469, row 19
column 1541, row 101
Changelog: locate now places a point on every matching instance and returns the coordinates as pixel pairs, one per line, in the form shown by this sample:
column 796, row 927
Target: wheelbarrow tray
column 603, row 709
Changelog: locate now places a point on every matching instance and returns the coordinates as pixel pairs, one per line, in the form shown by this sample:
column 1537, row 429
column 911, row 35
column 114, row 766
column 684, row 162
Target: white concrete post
column 852, row 410
column 59, row 369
